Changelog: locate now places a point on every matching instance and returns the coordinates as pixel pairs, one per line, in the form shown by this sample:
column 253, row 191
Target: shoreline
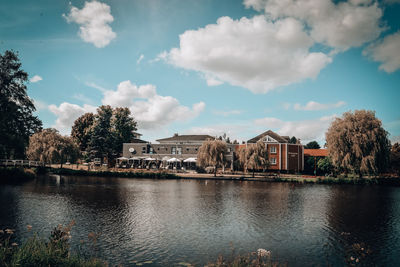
column 288, row 178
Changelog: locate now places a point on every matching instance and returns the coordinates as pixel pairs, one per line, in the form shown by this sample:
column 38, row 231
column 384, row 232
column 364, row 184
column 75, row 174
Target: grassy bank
column 16, row 175
column 153, row 175
column 36, row 251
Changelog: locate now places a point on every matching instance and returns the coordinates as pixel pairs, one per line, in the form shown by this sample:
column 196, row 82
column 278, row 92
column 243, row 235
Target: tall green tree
column 312, row 145
column 123, row 125
column 81, row 130
column 101, row 144
column 358, row 143
column 212, row 153
column 17, row 122
column 293, row 140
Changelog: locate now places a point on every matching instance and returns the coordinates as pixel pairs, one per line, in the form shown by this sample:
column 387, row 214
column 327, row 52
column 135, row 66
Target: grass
column 36, row 251
column 154, row 175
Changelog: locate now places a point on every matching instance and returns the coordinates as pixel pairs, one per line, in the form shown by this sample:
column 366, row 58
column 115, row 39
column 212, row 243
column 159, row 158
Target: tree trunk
column 215, row 171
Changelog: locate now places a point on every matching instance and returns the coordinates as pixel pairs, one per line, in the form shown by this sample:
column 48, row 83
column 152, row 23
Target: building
column 181, row 147
column 282, row 155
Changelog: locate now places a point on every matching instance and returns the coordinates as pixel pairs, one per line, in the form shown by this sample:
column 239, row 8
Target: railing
column 20, row 162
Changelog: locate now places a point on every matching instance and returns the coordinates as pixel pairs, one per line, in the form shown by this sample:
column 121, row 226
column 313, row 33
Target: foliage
column 312, row 145
column 212, row 153
column 81, row 130
column 293, row 140
column 48, row 146
column 102, row 134
column 40, row 252
column 395, row 158
column 324, row 165
column 254, row 157
column 17, row 121
column 358, row 143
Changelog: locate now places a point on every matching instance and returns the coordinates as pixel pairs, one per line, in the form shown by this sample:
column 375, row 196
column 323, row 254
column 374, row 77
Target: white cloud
column 39, row 105
column 306, row 130
column 339, row 25
column 395, row 139
column 312, row 105
column 386, row 51
column 35, row 79
column 150, row 110
column 67, row 113
column 94, row 19
column 141, row 57
column 255, row 53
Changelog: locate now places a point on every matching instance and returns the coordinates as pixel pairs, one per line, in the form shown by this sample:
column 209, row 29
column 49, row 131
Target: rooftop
column 183, row 138
column 316, row 152
column 277, row 137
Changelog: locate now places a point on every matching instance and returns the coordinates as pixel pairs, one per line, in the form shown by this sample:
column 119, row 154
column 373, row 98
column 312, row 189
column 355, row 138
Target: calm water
column 172, row 221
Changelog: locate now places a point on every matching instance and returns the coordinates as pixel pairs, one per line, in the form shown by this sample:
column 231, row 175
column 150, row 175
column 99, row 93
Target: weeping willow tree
column 254, row 157
column 358, row 143
column 48, row 146
column 212, row 153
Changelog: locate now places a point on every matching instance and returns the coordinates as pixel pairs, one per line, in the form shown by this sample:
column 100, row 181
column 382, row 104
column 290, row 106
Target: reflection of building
column 178, row 146
column 281, row 154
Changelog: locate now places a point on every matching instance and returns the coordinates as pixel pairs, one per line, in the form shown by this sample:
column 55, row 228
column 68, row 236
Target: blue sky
column 210, row 66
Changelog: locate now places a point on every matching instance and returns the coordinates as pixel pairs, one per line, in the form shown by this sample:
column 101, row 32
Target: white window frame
column 272, row 161
column 272, row 151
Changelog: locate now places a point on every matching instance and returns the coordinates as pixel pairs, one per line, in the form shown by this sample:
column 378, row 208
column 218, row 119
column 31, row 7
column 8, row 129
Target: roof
column 316, row 152
column 138, row 141
column 272, row 134
column 182, row 138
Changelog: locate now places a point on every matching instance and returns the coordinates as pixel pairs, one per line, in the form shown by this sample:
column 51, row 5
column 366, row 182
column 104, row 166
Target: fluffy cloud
column 253, row 53
column 94, row 19
column 152, row 111
column 35, row 79
column 341, row 26
column 386, row 51
column 67, row 113
column 306, row 130
column 312, row 106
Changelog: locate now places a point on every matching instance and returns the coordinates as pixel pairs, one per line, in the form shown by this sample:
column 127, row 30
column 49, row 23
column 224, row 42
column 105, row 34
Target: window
column 273, row 149
column 272, row 161
column 143, row 149
column 173, row 150
column 151, row 151
column 229, row 150
column 187, row 149
column 179, row 150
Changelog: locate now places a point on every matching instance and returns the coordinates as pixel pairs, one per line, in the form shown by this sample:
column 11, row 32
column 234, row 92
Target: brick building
column 282, row 155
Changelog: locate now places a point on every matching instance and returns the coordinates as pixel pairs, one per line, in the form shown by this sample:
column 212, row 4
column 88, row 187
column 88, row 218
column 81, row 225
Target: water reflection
column 169, row 221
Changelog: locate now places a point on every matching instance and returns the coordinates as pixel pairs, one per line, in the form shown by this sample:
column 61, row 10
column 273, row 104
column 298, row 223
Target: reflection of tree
column 361, row 214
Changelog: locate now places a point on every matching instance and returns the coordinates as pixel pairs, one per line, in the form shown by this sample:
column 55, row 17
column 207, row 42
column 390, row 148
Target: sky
column 211, row 66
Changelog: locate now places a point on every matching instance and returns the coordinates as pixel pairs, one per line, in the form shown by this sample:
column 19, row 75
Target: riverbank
column 234, row 177
column 16, row 175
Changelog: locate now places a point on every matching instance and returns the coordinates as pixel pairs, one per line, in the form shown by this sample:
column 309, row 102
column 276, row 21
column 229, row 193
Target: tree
column 395, row 158
column 358, row 143
column 102, row 139
column 81, row 130
column 312, row 145
column 254, row 157
column 293, row 140
column 123, row 126
column 212, row 153
column 48, row 146
column 17, row 122
column 324, row 165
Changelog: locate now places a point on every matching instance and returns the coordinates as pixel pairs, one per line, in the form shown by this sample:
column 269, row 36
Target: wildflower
column 263, row 252
column 29, row 227
column 357, row 260
column 9, row 231
column 14, row 244
column 352, row 258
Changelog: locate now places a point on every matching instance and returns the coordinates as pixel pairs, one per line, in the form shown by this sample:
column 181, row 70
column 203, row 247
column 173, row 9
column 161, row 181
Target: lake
column 173, row 221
